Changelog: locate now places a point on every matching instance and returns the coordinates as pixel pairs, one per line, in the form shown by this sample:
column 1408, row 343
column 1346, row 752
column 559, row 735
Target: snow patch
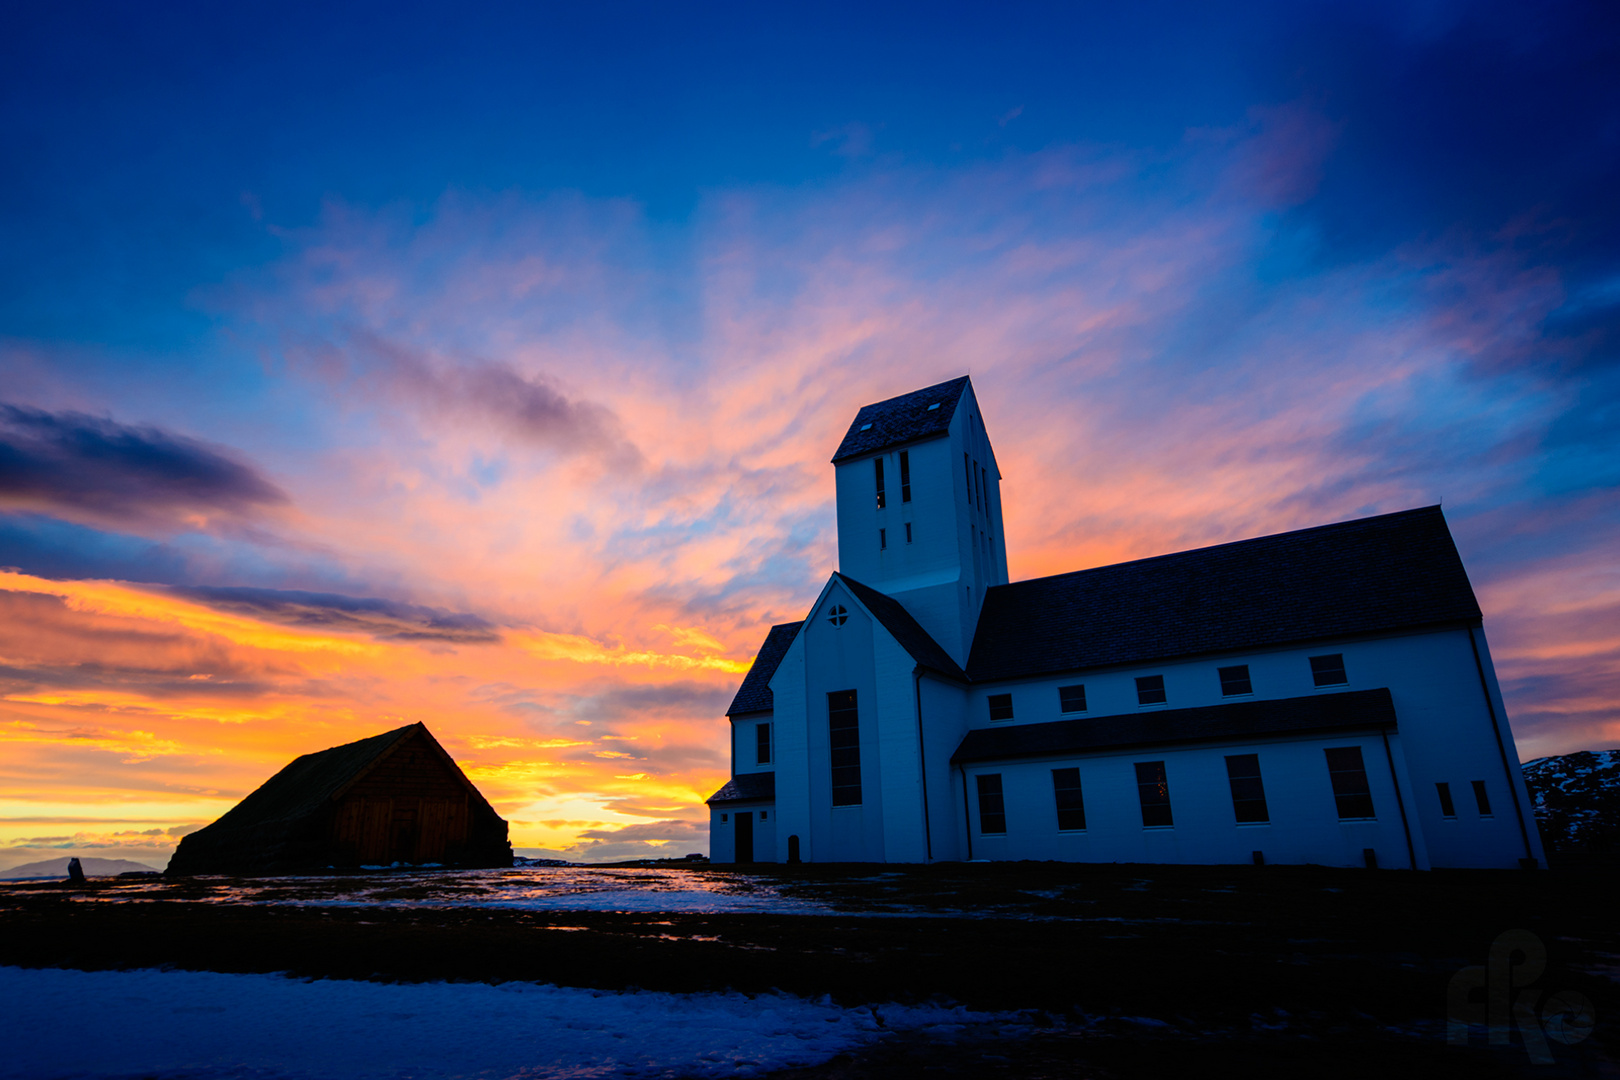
column 205, row 1025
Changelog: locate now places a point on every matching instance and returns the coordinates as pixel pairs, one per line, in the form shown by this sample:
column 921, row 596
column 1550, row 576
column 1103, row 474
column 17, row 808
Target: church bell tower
column 919, row 508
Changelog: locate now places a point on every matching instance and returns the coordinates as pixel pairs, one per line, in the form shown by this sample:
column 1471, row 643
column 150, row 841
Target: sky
column 363, row 364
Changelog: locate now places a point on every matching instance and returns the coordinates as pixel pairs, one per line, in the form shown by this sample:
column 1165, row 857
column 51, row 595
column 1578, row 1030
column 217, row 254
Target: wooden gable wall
column 411, row 806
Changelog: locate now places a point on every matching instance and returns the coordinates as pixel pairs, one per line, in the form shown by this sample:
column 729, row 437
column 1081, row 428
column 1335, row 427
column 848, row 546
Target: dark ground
column 1129, row 970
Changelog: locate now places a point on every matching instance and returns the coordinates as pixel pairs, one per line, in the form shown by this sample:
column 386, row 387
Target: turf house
column 393, row 798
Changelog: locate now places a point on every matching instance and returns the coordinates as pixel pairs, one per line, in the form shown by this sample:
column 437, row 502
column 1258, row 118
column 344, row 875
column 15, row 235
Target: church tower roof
column 921, row 414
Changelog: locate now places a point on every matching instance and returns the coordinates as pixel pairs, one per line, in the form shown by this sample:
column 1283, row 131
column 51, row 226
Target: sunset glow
column 317, row 429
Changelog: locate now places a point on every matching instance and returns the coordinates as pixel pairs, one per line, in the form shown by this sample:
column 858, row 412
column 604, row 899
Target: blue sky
column 544, row 321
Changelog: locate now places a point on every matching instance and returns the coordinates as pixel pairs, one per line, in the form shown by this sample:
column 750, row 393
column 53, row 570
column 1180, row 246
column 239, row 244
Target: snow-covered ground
column 203, row 1026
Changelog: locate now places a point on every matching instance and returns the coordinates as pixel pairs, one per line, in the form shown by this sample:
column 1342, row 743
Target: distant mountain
column 57, row 868
column 1577, row 799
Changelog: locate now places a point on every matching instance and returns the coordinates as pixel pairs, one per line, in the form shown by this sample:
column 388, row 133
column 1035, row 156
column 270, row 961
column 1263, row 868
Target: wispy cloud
column 94, row 469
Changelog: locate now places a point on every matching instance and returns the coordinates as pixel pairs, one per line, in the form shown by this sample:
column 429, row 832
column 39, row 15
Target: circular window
column 838, row 616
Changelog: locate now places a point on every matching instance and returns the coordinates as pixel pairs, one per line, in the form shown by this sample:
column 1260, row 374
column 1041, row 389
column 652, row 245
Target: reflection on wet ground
column 627, row 889
column 643, row 890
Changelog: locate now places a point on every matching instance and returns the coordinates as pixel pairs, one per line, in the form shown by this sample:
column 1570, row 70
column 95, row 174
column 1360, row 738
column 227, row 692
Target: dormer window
column 838, row 615
column 877, row 464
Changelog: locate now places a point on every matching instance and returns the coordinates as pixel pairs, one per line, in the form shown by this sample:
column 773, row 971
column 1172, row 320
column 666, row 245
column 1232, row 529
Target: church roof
column 1235, row 720
column 754, row 695
column 904, row 419
column 746, row 787
column 1371, row 575
column 905, row 629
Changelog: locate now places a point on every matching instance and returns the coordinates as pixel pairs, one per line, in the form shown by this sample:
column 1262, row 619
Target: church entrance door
column 745, row 836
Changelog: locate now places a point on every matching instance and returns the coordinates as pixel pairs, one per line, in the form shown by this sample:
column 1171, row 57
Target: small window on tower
column 967, row 471
column 1482, row 800
column 877, row 465
column 1447, row 807
column 908, row 532
column 883, row 539
column 905, row 476
column 1235, row 680
column 762, row 744
column 1150, row 690
column 1001, row 707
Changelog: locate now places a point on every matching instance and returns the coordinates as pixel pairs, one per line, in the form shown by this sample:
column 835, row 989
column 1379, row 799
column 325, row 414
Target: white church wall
column 903, row 829
column 944, row 726
column 1509, row 744
column 1304, row 825
column 840, row 657
column 1439, row 706
column 792, row 815
column 722, row 835
column 745, row 742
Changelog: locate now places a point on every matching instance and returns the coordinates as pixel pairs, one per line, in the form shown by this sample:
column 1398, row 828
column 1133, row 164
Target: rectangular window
column 992, row 808
column 1349, row 777
column 1482, row 800
column 725, row 819
column 905, row 476
column 1447, row 807
column 877, row 465
column 1328, row 670
column 1248, row 793
column 844, row 729
column 1153, row 788
column 984, row 498
column 1071, row 808
column 1235, row 680
column 908, row 532
column 883, row 539
column 1001, row 707
column 967, row 470
column 1150, row 690
column 977, row 476
column 1072, row 698
column 762, row 744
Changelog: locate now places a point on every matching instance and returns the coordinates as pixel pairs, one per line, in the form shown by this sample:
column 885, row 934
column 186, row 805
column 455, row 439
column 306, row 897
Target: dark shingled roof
column 308, row 782
column 1237, row 720
column 754, row 695
column 746, row 787
column 902, row 419
column 906, row 630
column 1376, row 574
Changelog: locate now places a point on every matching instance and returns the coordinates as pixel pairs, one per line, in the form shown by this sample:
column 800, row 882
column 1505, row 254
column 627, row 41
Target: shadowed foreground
column 1120, row 971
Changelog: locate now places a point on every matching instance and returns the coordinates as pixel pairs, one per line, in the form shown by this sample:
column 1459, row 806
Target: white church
column 1323, row 696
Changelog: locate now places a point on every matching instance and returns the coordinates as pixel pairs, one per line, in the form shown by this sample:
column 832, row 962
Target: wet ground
column 1111, row 970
